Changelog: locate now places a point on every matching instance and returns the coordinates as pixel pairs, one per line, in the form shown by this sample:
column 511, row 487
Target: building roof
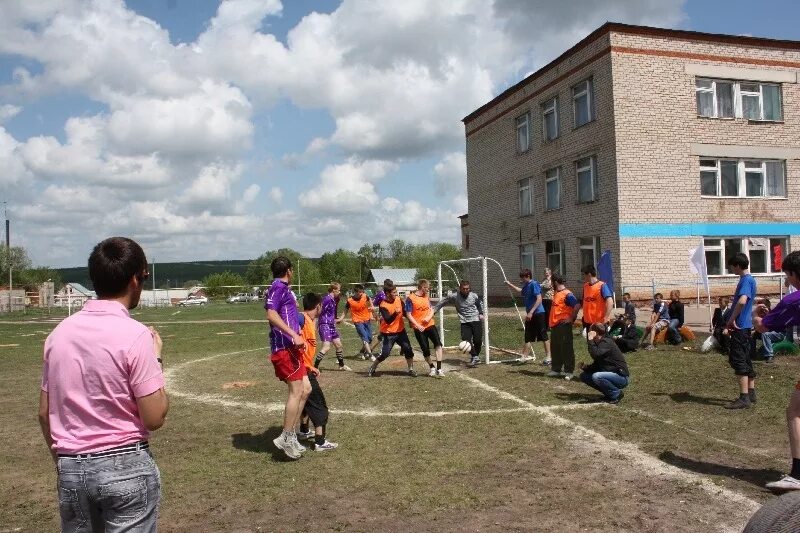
column 637, row 30
column 398, row 275
column 77, row 287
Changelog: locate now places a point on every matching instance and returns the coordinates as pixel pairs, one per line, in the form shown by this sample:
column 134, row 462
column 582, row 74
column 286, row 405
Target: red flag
column 777, row 258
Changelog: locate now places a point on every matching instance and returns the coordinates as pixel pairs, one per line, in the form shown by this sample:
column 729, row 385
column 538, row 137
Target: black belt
column 119, row 450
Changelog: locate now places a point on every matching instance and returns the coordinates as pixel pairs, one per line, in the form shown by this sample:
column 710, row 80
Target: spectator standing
column 562, row 315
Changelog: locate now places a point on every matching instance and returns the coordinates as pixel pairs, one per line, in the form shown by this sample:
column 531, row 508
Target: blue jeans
column 111, row 494
column 769, row 338
column 364, row 331
column 672, row 332
column 609, row 383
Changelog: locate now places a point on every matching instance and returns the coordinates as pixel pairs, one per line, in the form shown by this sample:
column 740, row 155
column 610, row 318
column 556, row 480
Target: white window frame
column 523, row 121
column 550, row 106
column 592, row 167
column 560, row 253
column 745, row 246
column 594, row 246
column 738, row 94
column 548, row 178
column 525, row 186
column 588, row 90
column 741, row 176
column 527, row 250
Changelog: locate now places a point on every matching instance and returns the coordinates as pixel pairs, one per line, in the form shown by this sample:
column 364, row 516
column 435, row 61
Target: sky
column 220, row 130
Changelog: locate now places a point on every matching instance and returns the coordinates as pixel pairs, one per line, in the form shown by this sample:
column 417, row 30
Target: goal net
column 502, row 327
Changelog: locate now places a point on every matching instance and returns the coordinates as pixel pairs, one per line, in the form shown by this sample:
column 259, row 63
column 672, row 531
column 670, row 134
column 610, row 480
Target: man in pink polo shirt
column 102, row 392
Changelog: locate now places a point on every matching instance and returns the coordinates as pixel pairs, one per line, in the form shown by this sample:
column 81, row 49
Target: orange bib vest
column 420, row 308
column 594, row 305
column 309, row 334
column 396, row 326
column 560, row 311
column 359, row 309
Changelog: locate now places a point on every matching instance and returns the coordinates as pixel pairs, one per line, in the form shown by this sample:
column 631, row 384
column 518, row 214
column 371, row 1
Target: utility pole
column 8, row 254
column 153, row 273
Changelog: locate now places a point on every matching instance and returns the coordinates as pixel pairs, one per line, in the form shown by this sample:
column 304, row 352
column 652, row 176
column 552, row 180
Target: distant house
column 73, row 295
column 405, row 279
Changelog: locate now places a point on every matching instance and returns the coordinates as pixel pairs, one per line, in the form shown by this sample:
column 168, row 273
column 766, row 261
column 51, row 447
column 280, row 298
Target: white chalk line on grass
column 594, row 441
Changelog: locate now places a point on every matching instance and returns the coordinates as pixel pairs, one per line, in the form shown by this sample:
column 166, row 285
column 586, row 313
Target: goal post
column 503, row 326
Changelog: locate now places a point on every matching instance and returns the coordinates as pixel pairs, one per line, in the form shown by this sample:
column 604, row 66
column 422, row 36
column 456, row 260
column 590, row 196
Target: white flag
column 697, row 263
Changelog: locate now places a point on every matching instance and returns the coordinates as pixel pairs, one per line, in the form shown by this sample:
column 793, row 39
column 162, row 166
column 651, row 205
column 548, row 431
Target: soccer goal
column 503, row 324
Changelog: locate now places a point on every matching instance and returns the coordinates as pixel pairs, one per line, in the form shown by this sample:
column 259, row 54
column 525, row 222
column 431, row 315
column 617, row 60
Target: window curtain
column 776, row 184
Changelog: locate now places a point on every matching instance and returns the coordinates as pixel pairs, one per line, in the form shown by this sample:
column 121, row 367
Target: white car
column 193, row 300
column 241, row 297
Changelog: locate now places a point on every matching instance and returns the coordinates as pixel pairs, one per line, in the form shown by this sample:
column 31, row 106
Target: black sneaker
column 768, row 360
column 371, row 372
column 619, row 398
column 739, row 403
column 752, row 394
column 411, row 372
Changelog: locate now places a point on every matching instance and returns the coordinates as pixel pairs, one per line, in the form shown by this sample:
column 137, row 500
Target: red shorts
column 288, row 365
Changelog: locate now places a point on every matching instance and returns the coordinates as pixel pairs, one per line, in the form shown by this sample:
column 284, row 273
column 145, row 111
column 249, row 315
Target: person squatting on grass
column 102, row 392
column 361, row 310
column 327, row 327
column 394, row 331
column 470, row 315
column 562, row 315
column 742, row 345
column 287, row 346
column 535, row 315
column 608, row 371
column 659, row 319
column 316, row 407
column 418, row 311
column 786, row 315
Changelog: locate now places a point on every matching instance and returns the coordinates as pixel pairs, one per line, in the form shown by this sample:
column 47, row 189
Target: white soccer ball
column 465, row 346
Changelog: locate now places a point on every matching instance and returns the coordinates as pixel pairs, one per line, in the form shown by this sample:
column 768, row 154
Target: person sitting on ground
column 659, row 319
column 630, row 308
column 718, row 320
column 628, row 337
column 768, row 338
column 675, row 317
column 786, row 315
column 608, row 371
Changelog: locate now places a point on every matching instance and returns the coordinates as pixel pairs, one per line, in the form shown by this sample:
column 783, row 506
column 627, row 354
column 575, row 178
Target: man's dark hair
column 358, row 287
column 658, row 295
column 589, row 269
column 624, row 294
column 599, row 328
column 557, row 278
column 740, row 260
column 464, row 283
column 388, row 285
column 791, row 263
column 280, row 266
column 310, row 301
column 113, row 263
column 525, row 273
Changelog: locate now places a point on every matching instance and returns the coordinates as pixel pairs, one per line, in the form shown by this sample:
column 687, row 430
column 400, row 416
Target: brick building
column 642, row 141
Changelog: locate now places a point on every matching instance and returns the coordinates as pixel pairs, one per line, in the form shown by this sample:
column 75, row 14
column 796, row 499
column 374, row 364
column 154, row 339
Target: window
column 586, row 179
column 525, row 197
column 749, row 178
column 526, row 257
column 729, row 99
column 765, row 253
column 550, row 119
column 552, row 183
column 588, row 250
column 583, row 102
column 523, row 133
column 555, row 255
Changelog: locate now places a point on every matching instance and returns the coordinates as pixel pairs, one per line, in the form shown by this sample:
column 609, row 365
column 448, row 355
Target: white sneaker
column 553, row 374
column 784, row 483
column 527, row 359
column 325, row 446
column 287, row 447
column 440, row 373
column 305, row 436
column 568, row 377
column 344, row 368
column 432, row 373
column 297, row 446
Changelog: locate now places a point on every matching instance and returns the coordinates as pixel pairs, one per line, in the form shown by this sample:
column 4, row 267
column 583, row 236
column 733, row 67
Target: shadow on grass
column 755, row 476
column 532, row 373
column 688, row 397
column 580, row 397
column 393, row 373
column 260, row 443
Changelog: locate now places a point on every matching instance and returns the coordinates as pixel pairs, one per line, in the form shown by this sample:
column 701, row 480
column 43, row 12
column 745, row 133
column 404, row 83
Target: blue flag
column 604, row 272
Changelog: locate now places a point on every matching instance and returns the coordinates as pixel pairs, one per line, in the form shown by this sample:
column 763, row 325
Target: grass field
column 499, row 447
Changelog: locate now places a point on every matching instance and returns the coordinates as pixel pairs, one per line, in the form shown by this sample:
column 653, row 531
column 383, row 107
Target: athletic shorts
column 390, row 339
column 327, row 332
column 661, row 324
column 740, row 352
column 316, row 407
column 364, row 331
column 426, row 338
column 288, row 365
column 536, row 328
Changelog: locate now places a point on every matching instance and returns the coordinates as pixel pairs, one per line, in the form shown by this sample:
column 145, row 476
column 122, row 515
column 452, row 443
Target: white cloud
column 8, row 111
column 347, row 188
column 212, row 186
column 251, row 193
column 276, row 194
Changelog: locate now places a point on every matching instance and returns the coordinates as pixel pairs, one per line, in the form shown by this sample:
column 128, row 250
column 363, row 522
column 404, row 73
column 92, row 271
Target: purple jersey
column 381, row 296
column 785, row 315
column 327, row 316
column 282, row 300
